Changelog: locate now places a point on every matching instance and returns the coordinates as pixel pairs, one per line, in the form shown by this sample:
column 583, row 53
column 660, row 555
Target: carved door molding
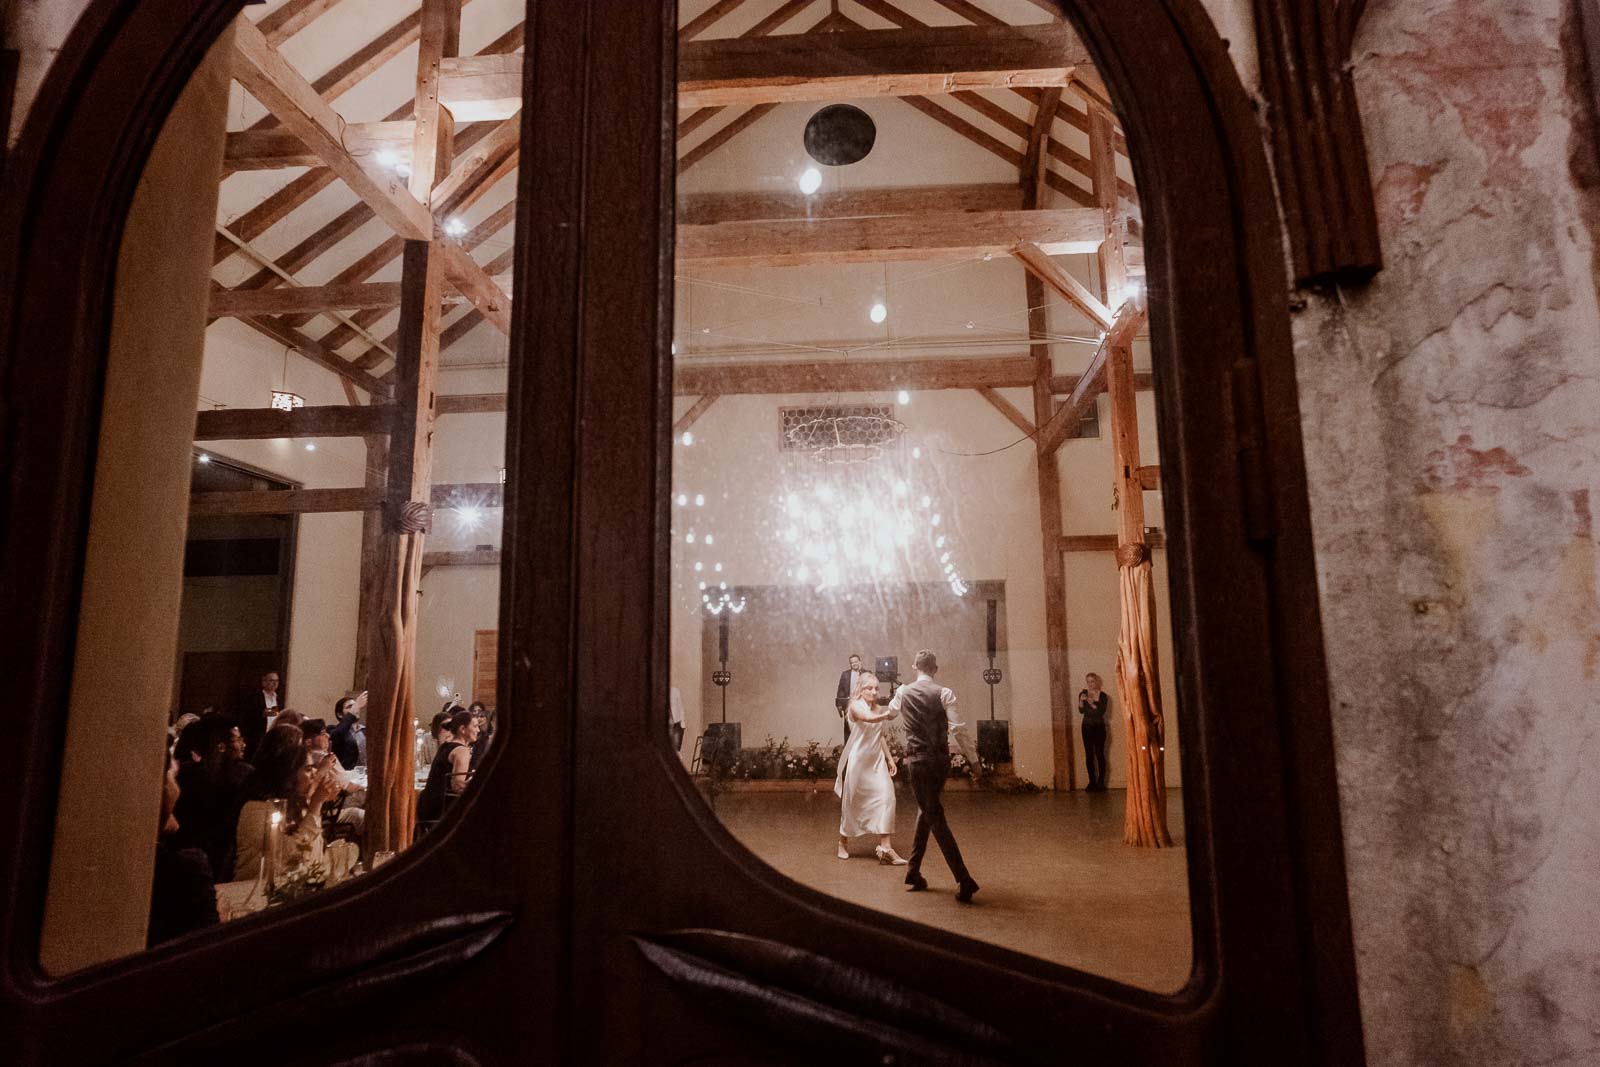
column 1314, row 125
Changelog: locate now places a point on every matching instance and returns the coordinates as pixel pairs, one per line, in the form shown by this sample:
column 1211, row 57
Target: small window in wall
column 303, row 435
column 870, row 609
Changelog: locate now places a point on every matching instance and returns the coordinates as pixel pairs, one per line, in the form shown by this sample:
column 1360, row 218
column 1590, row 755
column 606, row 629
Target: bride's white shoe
column 844, row 853
column 889, row 857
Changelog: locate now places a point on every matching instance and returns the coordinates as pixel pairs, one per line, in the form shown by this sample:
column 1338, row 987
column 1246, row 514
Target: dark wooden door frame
column 596, row 909
column 693, row 918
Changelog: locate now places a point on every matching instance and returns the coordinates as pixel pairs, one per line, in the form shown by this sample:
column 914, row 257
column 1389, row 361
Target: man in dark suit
column 848, row 680
column 929, row 713
column 257, row 709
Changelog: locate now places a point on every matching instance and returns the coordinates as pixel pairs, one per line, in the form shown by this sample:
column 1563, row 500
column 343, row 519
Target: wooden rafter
column 292, row 17
column 310, row 299
column 800, row 378
column 1008, row 409
column 255, row 424
column 1038, row 263
column 959, row 234
column 270, row 78
column 692, row 416
column 1130, row 318
column 699, row 209
column 851, row 377
column 852, row 64
column 256, row 221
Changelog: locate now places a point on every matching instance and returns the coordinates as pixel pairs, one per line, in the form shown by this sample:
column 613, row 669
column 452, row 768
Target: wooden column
column 1113, row 251
column 407, row 514
column 1138, row 676
column 372, row 560
column 1064, row 773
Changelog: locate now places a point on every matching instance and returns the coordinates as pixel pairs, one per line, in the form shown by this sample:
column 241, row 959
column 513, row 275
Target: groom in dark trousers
column 929, row 713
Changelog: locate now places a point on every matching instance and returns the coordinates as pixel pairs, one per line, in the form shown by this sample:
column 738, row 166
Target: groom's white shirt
column 958, row 729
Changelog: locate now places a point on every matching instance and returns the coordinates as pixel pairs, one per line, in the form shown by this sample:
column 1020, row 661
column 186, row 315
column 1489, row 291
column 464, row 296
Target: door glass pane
column 302, row 441
column 914, row 412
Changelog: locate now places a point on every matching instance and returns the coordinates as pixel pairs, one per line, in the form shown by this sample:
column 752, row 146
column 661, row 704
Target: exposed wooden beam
column 481, row 88
column 1036, row 158
column 956, row 234
column 310, row 299
column 851, row 377
column 1064, row 384
column 1113, row 251
column 707, row 18
column 723, row 136
column 701, row 209
column 692, row 416
column 852, row 64
column 1150, row 477
column 270, row 78
column 746, row 71
column 1093, row 381
column 275, row 208
column 356, row 67
column 1153, row 537
column 1038, row 263
column 256, row 424
column 1066, row 417
column 477, row 557
column 487, row 298
column 979, row 374
column 472, row 403
column 1008, row 409
column 291, row 17
column 284, row 501
column 314, row 350
column 278, row 148
column 471, row 166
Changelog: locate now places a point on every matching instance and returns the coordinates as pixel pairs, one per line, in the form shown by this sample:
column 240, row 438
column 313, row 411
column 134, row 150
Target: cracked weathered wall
column 1452, row 421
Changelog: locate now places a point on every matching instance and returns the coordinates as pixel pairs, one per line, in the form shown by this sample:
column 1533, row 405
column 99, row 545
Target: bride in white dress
column 865, row 783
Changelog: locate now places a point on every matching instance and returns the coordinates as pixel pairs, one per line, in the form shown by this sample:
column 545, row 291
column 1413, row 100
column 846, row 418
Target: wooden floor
column 1057, row 880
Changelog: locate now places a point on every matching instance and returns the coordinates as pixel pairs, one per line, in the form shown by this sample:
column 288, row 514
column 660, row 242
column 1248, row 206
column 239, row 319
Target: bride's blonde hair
column 862, row 684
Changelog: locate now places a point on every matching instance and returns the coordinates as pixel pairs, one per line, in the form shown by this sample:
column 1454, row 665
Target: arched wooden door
column 583, row 905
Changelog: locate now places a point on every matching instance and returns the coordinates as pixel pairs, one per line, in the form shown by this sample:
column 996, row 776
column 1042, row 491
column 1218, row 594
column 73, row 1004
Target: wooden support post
column 369, row 602
column 1114, row 251
column 1138, row 675
column 1064, row 772
column 407, row 514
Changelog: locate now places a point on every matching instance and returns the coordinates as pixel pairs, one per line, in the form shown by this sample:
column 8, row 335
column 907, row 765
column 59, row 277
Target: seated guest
column 211, row 777
column 178, row 727
column 318, row 743
column 342, row 739
column 290, row 718
column 451, row 768
column 438, row 734
column 283, row 772
column 181, row 897
column 480, row 717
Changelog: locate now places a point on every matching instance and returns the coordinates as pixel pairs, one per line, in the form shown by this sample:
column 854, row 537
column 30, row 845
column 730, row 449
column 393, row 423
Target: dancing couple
column 865, row 782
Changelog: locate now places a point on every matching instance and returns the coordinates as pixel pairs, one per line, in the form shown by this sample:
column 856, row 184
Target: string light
column 878, row 313
column 810, row 181
column 455, row 227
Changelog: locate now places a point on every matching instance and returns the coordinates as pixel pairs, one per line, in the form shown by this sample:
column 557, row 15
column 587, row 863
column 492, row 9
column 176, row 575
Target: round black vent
column 839, row 135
